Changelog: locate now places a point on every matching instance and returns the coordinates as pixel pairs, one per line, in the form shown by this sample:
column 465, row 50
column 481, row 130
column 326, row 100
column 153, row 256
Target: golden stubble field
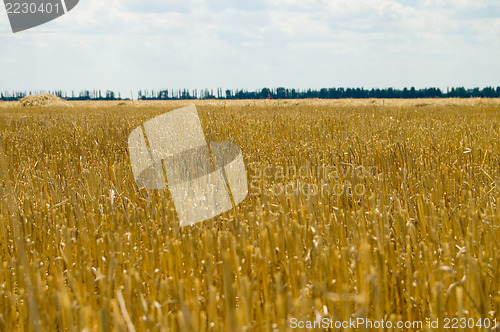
column 407, row 230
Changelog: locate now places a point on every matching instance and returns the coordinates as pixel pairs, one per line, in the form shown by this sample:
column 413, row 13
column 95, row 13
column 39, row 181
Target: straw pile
column 42, row 100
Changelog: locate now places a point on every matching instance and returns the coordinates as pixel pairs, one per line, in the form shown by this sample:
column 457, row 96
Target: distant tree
column 281, row 93
column 488, row 92
column 110, row 95
column 476, row 93
column 461, row 92
column 323, row 93
column 265, row 93
column 413, row 92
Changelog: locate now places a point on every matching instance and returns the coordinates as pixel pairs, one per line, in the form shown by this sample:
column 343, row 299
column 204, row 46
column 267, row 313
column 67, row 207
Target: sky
column 128, row 45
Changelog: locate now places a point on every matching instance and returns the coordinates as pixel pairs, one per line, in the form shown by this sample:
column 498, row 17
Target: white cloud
column 3, row 16
column 297, row 5
column 125, row 44
column 454, row 4
column 7, row 60
column 155, row 6
column 298, row 23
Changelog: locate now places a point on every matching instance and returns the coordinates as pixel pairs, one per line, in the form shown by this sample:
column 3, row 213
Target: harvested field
column 392, row 213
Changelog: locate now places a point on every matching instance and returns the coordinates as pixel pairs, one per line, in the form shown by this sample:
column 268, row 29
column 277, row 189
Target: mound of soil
column 42, row 100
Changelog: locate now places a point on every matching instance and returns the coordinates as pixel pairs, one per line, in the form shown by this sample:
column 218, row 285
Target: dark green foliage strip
column 277, row 93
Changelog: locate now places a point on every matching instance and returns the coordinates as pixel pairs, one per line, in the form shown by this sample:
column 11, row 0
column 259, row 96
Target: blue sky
column 152, row 44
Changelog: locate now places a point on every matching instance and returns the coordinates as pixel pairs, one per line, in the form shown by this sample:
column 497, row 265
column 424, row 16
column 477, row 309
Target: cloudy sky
column 152, row 44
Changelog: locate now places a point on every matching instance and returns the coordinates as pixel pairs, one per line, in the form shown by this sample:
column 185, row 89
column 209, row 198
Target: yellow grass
column 83, row 248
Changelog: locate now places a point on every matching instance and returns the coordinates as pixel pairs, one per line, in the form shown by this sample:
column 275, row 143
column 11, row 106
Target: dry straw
column 43, row 100
column 83, row 248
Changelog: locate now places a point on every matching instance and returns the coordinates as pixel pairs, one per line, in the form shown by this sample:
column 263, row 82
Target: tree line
column 267, row 93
